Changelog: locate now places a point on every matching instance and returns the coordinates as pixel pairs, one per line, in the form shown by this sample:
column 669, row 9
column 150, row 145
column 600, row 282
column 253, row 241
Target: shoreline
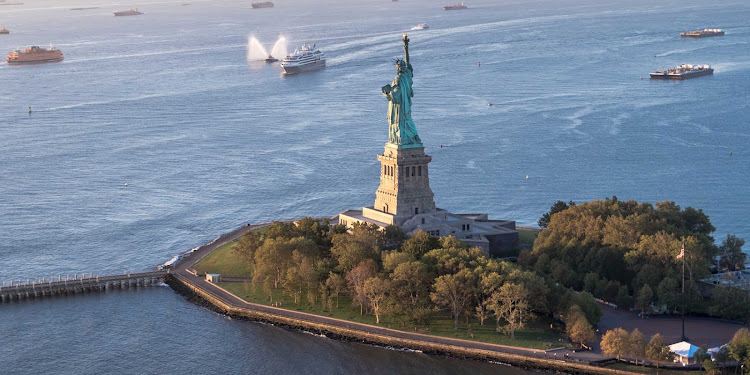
column 196, row 290
column 206, row 299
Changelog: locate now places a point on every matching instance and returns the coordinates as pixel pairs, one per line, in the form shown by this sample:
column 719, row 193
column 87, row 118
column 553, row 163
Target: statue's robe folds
column 402, row 130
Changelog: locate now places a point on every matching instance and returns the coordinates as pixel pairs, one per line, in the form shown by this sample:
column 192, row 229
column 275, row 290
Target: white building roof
column 684, row 349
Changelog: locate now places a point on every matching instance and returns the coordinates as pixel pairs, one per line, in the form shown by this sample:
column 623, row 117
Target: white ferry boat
column 305, row 59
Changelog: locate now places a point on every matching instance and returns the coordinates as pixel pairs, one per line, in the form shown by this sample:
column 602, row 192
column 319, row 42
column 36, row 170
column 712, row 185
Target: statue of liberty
column 401, row 131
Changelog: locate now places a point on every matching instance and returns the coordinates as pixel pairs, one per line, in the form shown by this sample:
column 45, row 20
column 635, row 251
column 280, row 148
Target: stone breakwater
column 219, row 304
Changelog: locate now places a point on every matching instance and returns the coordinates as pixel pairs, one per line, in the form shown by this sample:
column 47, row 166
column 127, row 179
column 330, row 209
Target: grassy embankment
column 527, row 237
column 224, row 261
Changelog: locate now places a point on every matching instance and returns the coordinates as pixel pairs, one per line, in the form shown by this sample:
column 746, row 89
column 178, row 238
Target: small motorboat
column 271, row 59
column 421, row 26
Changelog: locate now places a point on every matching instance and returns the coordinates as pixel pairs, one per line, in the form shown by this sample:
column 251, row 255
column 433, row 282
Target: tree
column 452, row 242
column 420, row 243
column 487, row 284
column 248, row 244
column 393, row 237
column 637, row 344
column 292, row 283
column 739, row 347
column 452, row 292
column 511, row 303
column 657, row 350
column 363, row 243
column 578, row 327
column 701, row 355
column 275, row 256
column 410, row 291
column 723, row 356
column 375, row 290
column 643, row 301
column 731, row 256
column 555, row 208
column 335, row 284
column 669, row 293
column 623, row 300
column 356, row 280
column 615, row 342
column 581, row 332
column 731, row 303
column 391, row 259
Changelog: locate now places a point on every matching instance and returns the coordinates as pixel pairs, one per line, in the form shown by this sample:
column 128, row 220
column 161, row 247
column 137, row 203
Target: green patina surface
column 402, row 133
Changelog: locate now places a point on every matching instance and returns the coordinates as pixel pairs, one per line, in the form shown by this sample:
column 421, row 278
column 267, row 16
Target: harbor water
column 155, row 135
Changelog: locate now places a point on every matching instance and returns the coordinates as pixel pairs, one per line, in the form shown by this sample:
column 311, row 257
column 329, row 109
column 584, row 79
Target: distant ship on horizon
column 702, row 33
column 34, row 54
column 305, row 59
column 129, row 12
column 683, row 71
column 455, row 6
column 264, row 4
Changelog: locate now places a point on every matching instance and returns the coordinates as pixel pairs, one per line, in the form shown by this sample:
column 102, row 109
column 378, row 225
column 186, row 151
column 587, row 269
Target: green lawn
column 648, row 370
column 527, row 237
column 223, row 261
column 535, row 336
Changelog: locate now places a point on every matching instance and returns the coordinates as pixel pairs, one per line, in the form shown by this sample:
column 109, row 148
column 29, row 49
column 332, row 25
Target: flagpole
column 683, row 292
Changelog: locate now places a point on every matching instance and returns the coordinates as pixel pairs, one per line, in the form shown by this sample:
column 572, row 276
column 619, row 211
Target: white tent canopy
column 685, row 350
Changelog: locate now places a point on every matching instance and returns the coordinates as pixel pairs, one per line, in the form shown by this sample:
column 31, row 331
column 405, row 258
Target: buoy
column 641, row 77
column 126, row 184
column 527, row 177
column 441, row 145
column 479, row 63
column 730, row 153
column 29, row 109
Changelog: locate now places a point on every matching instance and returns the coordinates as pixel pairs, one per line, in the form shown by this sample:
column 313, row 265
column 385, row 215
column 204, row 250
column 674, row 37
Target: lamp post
column 682, row 255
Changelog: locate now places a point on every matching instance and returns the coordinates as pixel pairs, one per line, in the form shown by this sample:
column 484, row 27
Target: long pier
column 33, row 289
column 20, row 291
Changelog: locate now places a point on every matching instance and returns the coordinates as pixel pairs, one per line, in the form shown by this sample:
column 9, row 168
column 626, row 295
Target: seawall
column 208, row 299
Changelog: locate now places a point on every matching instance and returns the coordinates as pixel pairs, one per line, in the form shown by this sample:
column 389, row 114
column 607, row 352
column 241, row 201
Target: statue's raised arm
column 406, row 51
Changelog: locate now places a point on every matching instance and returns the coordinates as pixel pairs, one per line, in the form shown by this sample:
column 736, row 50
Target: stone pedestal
column 404, row 189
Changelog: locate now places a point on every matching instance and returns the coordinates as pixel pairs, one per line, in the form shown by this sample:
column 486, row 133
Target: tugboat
column 265, row 4
column 456, row 6
column 3, row 30
column 271, row 59
column 702, row 33
column 34, row 54
column 304, row 59
column 683, row 71
column 129, row 12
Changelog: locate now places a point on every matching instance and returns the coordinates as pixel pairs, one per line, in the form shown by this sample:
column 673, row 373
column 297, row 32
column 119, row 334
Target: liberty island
column 554, row 118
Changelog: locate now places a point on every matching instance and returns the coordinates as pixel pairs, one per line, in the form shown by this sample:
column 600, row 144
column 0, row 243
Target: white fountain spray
column 279, row 49
column 255, row 50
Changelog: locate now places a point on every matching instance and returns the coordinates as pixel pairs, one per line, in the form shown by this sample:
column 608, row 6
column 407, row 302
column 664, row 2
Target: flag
column 682, row 252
